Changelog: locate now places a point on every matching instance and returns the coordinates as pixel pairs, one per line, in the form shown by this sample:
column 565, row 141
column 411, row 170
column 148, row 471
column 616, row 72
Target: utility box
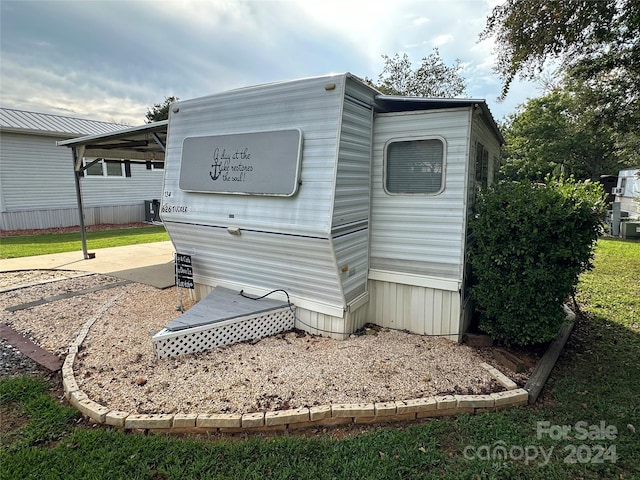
column 630, row 229
column 152, row 210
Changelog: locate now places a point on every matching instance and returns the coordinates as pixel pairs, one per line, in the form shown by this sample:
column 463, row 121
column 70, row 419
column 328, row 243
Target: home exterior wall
column 417, row 241
column 345, row 251
column 630, row 198
column 37, row 187
column 421, row 234
column 294, row 243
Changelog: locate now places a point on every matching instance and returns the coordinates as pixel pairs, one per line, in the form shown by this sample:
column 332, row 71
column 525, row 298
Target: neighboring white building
column 627, row 192
column 625, row 209
column 37, row 177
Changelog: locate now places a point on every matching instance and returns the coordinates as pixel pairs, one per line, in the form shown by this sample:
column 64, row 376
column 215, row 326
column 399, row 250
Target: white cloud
column 113, row 60
column 418, row 21
column 442, row 40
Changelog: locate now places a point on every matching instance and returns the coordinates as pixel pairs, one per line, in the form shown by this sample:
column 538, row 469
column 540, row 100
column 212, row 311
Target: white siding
column 631, row 191
column 421, row 310
column 303, row 267
column 351, row 252
column 37, row 187
column 35, row 173
column 285, row 242
column 421, row 234
column 351, row 206
column 305, row 105
column 143, row 184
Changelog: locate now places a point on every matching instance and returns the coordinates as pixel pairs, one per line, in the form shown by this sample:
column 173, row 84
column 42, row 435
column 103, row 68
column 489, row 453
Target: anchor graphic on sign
column 216, row 170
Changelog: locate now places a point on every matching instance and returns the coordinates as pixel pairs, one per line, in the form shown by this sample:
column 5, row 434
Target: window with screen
column 414, row 167
column 114, row 169
column 482, row 166
column 105, row 168
column 94, row 170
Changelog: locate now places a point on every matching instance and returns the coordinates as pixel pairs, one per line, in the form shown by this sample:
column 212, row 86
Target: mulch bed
column 75, row 228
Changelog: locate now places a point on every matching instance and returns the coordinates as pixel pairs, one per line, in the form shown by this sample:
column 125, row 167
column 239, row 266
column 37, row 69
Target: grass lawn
column 29, row 245
column 585, row 425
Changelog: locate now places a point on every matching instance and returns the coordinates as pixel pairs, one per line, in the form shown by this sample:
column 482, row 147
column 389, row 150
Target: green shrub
column 531, row 243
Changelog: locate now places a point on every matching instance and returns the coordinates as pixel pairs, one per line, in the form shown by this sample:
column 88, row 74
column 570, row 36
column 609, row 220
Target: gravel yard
column 116, row 366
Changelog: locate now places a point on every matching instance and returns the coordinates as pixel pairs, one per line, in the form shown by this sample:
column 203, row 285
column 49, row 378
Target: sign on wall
column 257, row 163
column 184, row 271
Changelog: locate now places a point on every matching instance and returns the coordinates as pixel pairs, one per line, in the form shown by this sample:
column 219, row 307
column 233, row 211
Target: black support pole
column 76, row 174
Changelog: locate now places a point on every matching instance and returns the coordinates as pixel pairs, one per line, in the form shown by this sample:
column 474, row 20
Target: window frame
column 482, row 175
column 105, row 172
column 414, row 139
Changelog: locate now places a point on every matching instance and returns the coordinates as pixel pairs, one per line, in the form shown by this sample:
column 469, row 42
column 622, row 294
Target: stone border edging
column 296, row 418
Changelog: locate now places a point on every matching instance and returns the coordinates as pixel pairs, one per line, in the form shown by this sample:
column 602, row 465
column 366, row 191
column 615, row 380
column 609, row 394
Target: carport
column 142, row 144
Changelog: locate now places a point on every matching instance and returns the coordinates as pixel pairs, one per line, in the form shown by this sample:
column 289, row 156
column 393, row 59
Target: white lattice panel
column 198, row 339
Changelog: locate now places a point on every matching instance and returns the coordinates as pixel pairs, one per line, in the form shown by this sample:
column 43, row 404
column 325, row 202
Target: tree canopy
column 559, row 133
column 596, row 41
column 432, row 78
column 160, row 111
column 588, row 123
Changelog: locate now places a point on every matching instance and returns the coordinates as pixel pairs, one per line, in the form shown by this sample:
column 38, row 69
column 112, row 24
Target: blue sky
column 111, row 59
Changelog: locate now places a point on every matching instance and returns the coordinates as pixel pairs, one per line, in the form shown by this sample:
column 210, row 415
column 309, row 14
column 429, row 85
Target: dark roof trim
column 145, row 142
column 154, row 127
column 394, row 103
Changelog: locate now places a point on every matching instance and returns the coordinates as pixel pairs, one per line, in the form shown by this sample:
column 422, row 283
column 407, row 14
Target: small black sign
column 184, row 271
column 182, row 259
column 185, row 283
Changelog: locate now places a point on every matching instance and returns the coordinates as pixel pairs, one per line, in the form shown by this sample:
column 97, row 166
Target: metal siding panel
column 420, row 310
column 68, row 217
column 35, row 173
column 142, row 185
column 302, row 266
column 352, row 250
column 285, row 241
column 415, row 233
column 352, row 192
column 304, row 105
column 38, row 191
column 353, row 177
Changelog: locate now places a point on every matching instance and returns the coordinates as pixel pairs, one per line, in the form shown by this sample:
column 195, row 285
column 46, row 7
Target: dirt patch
column 75, row 228
column 116, row 366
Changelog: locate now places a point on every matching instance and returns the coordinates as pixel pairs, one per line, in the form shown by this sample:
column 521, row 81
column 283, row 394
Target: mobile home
column 37, row 188
column 625, row 213
column 350, row 204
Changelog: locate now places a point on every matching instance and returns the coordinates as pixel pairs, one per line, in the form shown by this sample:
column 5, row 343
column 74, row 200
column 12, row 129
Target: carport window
column 103, row 168
column 414, row 166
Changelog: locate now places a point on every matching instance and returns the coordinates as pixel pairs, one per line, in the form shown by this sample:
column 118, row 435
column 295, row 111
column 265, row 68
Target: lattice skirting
column 198, row 339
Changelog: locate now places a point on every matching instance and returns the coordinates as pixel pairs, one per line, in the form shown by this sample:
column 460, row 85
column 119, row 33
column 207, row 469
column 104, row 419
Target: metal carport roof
column 135, row 144
column 145, row 142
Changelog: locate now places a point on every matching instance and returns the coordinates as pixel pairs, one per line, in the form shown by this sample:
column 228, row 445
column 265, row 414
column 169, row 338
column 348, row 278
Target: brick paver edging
column 296, row 418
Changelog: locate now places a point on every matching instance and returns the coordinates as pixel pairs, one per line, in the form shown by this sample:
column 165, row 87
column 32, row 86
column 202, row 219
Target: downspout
column 77, row 171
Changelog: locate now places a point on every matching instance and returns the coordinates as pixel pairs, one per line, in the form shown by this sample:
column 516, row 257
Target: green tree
column 160, row 111
column 432, row 78
column 563, row 132
column 558, row 134
column 596, row 42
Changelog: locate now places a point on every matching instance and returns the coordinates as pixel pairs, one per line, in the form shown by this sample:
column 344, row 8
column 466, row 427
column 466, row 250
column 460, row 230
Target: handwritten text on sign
column 184, row 271
column 258, row 163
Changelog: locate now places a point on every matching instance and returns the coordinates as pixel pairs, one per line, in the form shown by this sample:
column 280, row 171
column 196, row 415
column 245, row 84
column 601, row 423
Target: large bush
column 530, row 244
